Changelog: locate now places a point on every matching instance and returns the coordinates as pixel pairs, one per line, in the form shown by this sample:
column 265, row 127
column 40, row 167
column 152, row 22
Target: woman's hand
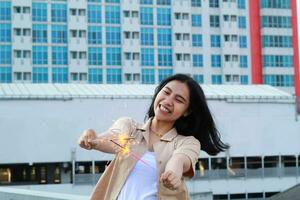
column 86, row 138
column 170, row 180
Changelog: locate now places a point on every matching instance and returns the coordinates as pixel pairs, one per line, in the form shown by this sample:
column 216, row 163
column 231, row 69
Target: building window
column 146, row 16
column 196, row 3
column 59, row 55
column 112, row 1
column 241, row 4
column 165, row 57
column 5, row 54
column 215, row 41
column 215, row 60
column 278, row 61
column 164, row 73
column 94, row 14
column 59, row 12
column 94, row 35
column 196, row 21
column 198, row 78
column 5, row 10
column 243, row 41
column 113, row 35
column 164, row 37
column 242, row 22
column 59, row 33
column 276, row 21
column 164, row 16
column 244, row 79
column 277, row 41
column 216, row 79
column 39, row 12
column 148, row 76
column 39, row 33
column 95, row 56
column 197, row 60
column 279, row 80
column 147, row 56
column 147, row 36
column 146, row 2
column 95, row 76
column 197, row 40
column 5, row 74
column 214, row 21
column 282, row 4
column 112, row 14
column 59, row 75
column 214, row 3
column 40, row 75
column 40, row 55
column 243, row 61
column 114, row 76
column 113, row 56
column 5, row 32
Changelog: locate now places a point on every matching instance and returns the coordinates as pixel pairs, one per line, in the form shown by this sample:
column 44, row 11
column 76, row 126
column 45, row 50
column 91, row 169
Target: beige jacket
column 113, row 178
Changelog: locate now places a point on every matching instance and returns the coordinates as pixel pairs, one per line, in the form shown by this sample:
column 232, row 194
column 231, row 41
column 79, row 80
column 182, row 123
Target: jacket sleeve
column 190, row 147
column 122, row 126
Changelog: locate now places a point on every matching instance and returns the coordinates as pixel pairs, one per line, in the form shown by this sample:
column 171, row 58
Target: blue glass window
column 215, row 60
column 164, row 37
column 165, row 57
column 95, row 56
column 196, row 20
column 94, row 35
column 94, row 13
column 244, row 79
column 242, row 22
column 277, row 41
column 214, row 3
column 60, row 75
column 95, row 75
column 276, row 21
column 279, row 80
column 40, row 55
column 147, row 55
column 5, row 54
column 278, row 61
column 148, row 76
column 96, row 1
column 59, row 55
column 114, row 76
column 243, row 41
column 197, row 60
column 164, row 16
column 146, row 2
column 197, row 40
column 39, row 33
column 241, row 4
column 163, row 2
column 5, row 32
column 216, row 79
column 215, row 40
column 147, row 36
column 243, row 61
column 198, row 78
column 214, row 21
column 5, row 74
column 59, row 12
column 5, row 10
column 112, row 1
column 282, row 4
column 39, row 12
column 164, row 73
column 59, row 33
column 112, row 14
column 146, row 16
column 113, row 35
column 40, row 75
column 196, row 3
column 113, row 56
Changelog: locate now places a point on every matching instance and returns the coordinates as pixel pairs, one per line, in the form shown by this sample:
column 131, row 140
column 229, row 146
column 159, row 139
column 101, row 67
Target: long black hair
column 199, row 123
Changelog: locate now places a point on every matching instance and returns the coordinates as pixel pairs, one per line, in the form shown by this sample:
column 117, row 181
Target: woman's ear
column 186, row 113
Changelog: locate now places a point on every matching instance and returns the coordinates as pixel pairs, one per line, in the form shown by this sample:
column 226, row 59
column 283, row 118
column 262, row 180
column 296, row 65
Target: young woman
column 153, row 160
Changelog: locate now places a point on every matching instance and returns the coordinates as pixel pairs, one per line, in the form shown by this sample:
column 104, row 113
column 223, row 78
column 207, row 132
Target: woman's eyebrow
column 177, row 95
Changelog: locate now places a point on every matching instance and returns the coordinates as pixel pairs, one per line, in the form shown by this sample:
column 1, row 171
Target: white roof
column 71, row 91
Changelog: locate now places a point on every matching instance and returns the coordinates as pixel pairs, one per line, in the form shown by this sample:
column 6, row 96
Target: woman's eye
column 166, row 92
column 179, row 101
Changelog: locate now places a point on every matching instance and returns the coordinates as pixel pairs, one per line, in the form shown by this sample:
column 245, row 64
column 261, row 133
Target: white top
column 141, row 184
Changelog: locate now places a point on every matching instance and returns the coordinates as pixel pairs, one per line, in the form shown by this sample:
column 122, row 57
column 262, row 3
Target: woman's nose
column 169, row 100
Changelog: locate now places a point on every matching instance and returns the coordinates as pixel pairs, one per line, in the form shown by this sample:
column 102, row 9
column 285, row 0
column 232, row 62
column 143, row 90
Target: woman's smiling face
column 172, row 101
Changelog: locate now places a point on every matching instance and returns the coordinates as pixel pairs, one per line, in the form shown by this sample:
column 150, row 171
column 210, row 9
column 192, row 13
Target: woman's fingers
column 170, row 180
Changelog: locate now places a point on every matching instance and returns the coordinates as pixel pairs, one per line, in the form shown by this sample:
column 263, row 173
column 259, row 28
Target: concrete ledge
column 7, row 193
